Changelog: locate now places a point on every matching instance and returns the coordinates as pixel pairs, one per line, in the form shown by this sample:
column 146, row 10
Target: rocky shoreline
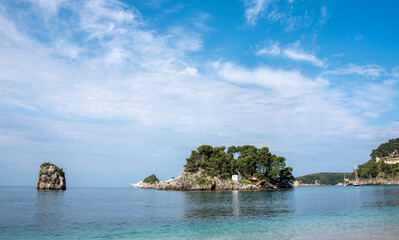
column 362, row 182
column 188, row 181
column 376, row 181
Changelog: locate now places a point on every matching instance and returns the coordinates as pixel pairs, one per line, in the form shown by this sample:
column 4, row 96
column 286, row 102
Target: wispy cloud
column 339, row 54
column 370, row 70
column 395, row 72
column 104, row 84
column 292, row 16
column 323, row 15
column 292, row 52
column 254, row 9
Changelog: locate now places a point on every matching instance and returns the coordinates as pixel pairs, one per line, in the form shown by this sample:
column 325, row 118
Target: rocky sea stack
column 51, row 177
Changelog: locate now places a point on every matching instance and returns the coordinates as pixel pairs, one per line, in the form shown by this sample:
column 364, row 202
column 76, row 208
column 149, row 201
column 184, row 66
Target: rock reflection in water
column 49, row 209
column 238, row 204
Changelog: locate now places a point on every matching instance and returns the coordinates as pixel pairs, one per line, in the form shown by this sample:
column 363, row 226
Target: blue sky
column 113, row 91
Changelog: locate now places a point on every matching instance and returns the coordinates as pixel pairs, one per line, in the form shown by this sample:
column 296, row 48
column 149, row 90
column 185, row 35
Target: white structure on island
column 236, row 177
column 137, row 185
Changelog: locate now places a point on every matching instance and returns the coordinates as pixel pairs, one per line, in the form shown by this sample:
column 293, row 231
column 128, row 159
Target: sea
column 323, row 212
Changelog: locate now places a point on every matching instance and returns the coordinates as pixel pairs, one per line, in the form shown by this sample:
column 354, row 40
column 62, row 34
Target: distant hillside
column 384, row 162
column 324, row 178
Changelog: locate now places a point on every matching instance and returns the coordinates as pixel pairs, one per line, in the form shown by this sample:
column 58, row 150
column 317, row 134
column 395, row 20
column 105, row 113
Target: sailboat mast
column 357, row 178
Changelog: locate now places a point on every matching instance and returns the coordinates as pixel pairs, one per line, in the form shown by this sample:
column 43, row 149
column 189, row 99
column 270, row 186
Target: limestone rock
column 188, row 181
column 51, row 177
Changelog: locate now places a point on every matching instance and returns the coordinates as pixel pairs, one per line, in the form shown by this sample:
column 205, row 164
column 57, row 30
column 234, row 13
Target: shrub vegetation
column 327, row 178
column 374, row 169
column 151, row 179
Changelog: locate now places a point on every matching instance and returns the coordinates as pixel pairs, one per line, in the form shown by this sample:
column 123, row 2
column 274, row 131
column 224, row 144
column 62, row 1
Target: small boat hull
column 137, row 185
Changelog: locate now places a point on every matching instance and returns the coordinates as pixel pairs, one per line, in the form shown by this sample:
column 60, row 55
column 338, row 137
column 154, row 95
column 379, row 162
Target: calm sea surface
column 331, row 212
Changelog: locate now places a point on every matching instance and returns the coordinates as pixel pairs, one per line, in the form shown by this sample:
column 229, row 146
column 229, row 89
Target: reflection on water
column 126, row 213
column 380, row 197
column 49, row 209
column 238, row 203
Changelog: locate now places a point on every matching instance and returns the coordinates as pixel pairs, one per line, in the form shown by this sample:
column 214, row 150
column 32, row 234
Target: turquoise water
column 330, row 212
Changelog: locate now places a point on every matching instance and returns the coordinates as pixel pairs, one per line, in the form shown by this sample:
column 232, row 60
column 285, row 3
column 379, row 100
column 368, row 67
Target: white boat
column 356, row 183
column 345, row 183
column 137, row 185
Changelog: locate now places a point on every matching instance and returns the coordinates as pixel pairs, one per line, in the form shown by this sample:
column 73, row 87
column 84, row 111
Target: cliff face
column 199, row 181
column 51, row 178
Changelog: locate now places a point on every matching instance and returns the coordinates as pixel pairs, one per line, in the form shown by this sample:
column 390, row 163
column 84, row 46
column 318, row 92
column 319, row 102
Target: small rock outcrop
column 51, row 177
column 150, row 182
column 188, row 181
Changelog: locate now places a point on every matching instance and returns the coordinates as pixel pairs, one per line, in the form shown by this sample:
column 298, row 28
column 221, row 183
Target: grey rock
column 51, row 178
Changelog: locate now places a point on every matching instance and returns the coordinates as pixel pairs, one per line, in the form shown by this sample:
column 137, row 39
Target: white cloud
column 371, row 114
column 123, row 85
column 144, row 76
column 294, row 54
column 287, row 83
column 370, row 70
column 273, row 49
column 286, row 14
column 375, row 98
column 395, row 72
column 291, row 52
column 254, row 9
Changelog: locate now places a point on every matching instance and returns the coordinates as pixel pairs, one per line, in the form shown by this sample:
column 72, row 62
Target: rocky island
column 238, row 168
column 51, row 177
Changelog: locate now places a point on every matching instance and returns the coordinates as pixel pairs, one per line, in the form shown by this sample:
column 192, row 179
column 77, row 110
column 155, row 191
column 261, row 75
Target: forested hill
column 385, row 149
column 248, row 161
column 381, row 165
column 324, row 178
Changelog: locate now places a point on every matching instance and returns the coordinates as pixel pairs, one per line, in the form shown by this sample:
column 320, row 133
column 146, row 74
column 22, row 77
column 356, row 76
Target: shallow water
column 329, row 212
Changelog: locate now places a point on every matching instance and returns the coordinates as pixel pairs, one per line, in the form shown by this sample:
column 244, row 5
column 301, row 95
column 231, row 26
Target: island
column 51, row 177
column 235, row 168
column 383, row 166
column 381, row 169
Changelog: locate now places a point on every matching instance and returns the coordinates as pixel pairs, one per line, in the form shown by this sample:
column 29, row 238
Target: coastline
column 362, row 182
column 376, row 181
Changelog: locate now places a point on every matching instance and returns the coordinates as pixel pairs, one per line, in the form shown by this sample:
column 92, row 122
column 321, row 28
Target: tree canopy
column 247, row 161
column 385, row 149
column 151, row 179
column 328, row 178
column 373, row 169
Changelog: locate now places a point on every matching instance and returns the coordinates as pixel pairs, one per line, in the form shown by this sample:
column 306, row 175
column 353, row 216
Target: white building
column 236, row 177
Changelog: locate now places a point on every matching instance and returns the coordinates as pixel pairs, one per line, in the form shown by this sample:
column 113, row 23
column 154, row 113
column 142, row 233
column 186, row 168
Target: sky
column 113, row 91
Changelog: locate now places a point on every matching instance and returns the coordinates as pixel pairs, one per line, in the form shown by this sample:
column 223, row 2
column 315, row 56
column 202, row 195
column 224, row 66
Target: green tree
column 246, row 160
